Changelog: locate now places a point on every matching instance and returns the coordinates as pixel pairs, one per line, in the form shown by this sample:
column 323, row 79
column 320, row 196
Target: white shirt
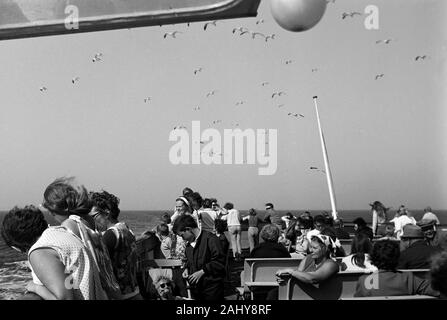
column 400, row 222
column 431, row 216
column 232, row 218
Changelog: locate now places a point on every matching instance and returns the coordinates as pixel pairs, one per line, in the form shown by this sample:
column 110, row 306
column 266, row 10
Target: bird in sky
column 211, row 93
column 254, row 34
column 239, row 103
column 280, row 93
column 75, row 79
column 147, row 99
column 198, row 70
column 314, row 69
column 217, row 121
column 97, row 57
column 171, row 34
column 379, row 76
column 270, row 36
column 260, row 21
column 288, row 61
column 179, row 127
column 280, row 105
column 205, row 26
column 245, row 32
column 386, row 41
column 317, row 169
column 43, row 89
column 240, row 29
column 196, row 108
column 350, row 14
column 420, row 57
column 264, row 83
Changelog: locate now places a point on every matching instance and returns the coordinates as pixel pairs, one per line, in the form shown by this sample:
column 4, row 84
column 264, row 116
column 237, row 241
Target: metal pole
column 326, row 164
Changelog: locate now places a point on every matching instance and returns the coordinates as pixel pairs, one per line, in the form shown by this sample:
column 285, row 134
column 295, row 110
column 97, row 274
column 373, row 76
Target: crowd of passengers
column 90, row 255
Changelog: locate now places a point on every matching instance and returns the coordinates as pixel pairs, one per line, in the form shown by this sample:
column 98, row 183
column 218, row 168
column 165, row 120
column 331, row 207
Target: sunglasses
column 165, row 285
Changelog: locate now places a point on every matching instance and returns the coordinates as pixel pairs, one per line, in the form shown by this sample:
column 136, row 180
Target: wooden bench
column 341, row 286
column 261, row 272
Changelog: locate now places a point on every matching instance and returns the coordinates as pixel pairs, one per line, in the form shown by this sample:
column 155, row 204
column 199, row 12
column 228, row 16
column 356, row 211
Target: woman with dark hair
column 119, row 240
column 233, row 218
column 317, row 266
column 70, row 205
column 388, row 281
column 379, row 218
column 63, row 268
column 253, row 231
column 359, row 259
column 360, row 226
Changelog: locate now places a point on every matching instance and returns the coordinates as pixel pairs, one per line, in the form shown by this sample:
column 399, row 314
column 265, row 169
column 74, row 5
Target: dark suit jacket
column 270, row 250
column 209, row 256
column 416, row 256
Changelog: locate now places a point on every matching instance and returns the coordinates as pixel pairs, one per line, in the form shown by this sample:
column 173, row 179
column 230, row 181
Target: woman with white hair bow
column 315, row 267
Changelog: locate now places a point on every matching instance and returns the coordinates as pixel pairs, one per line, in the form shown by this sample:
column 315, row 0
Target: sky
column 386, row 138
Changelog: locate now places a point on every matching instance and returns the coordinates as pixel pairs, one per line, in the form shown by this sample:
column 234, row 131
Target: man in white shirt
column 400, row 221
column 429, row 215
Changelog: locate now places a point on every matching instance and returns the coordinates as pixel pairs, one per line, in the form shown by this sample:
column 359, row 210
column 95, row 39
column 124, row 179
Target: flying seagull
column 171, row 34
column 260, row 21
column 314, row 69
column 264, row 83
column 254, row 34
column 211, row 93
column 97, row 57
column 386, row 41
column 420, row 57
column 288, row 61
column 270, row 36
column 280, row 93
column 239, row 102
column 379, row 76
column 42, row 89
column 75, row 79
column 198, row 70
column 196, row 108
column 240, row 29
column 315, row 168
column 350, row 14
column 209, row 23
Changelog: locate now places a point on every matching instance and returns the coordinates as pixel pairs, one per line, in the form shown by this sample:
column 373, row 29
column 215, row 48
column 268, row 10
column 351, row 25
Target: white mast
column 326, row 165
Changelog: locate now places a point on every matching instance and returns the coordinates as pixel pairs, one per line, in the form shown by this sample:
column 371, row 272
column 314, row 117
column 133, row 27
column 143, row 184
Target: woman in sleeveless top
column 317, row 266
column 70, row 205
column 379, row 218
column 62, row 266
column 119, row 240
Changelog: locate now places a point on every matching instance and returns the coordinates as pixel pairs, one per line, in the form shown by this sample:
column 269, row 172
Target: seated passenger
column 360, row 226
column 316, row 267
column 438, row 273
column 165, row 239
column 164, row 287
column 359, row 259
column 388, row 281
column 415, row 252
column 270, row 248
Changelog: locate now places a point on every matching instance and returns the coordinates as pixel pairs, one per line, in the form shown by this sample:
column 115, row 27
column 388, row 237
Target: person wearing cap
column 429, row 215
column 415, row 253
column 432, row 236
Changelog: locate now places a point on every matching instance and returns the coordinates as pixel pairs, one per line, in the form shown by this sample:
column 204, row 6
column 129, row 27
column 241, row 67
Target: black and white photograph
column 231, row 153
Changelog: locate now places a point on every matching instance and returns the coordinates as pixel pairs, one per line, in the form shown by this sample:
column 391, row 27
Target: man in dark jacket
column 206, row 261
column 416, row 253
column 360, row 226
